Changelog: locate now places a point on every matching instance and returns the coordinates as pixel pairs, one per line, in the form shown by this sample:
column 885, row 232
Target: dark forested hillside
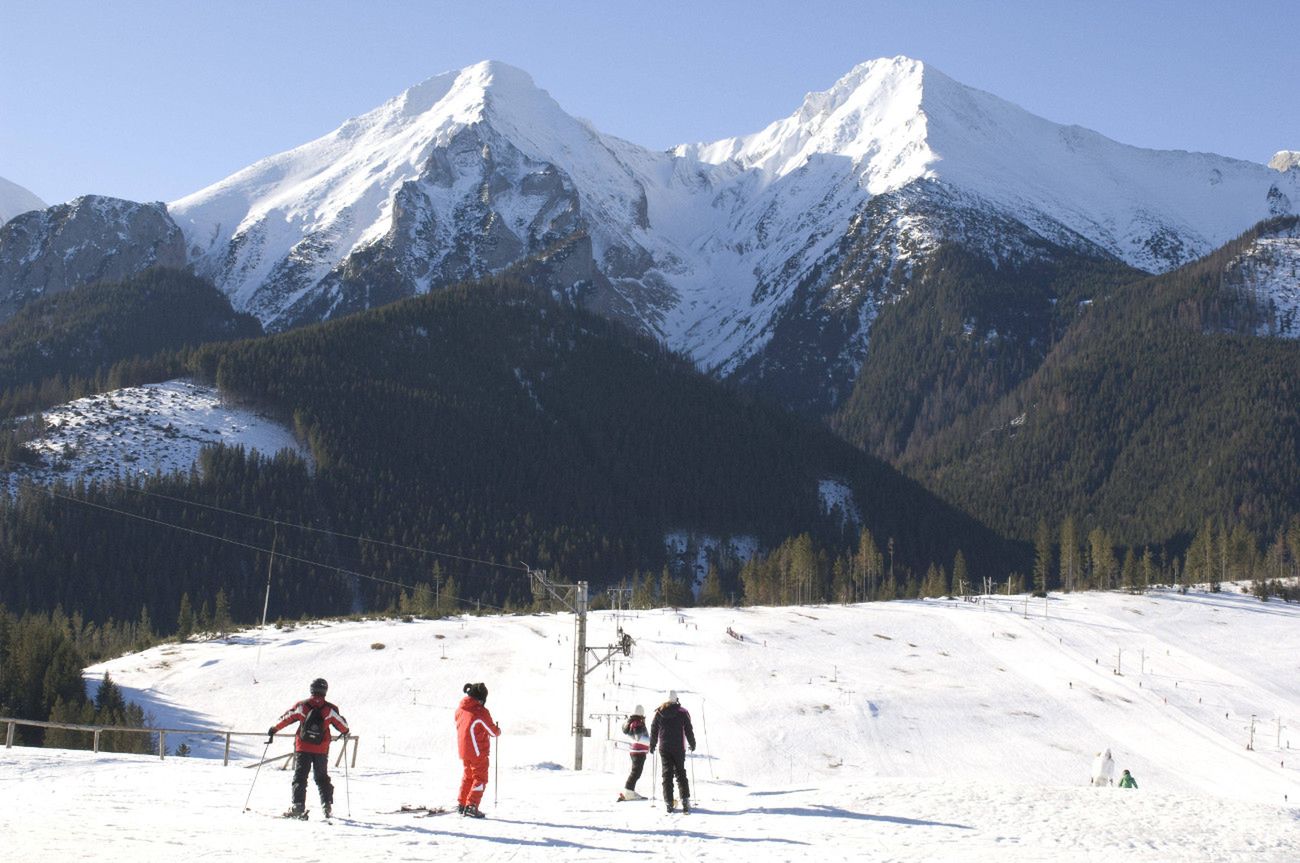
column 1155, row 412
column 966, row 333
column 83, row 333
column 484, row 422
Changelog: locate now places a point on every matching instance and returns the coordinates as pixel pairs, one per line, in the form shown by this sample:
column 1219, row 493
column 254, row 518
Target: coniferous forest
column 1067, row 426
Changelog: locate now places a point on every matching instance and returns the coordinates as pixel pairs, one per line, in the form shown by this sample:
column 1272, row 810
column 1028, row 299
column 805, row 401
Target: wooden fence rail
column 162, row 733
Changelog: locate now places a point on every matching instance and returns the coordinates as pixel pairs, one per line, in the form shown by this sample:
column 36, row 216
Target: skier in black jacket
column 670, row 733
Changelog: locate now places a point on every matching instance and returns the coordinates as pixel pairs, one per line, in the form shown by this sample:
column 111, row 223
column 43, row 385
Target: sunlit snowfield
column 890, row 731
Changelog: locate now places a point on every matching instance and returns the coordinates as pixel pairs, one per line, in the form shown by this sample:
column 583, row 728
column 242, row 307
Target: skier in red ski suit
column 311, row 746
column 474, row 731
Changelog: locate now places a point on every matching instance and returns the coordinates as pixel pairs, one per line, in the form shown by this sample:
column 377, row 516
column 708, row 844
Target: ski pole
column 347, row 782
column 496, row 778
column 654, row 792
column 257, row 771
column 694, row 787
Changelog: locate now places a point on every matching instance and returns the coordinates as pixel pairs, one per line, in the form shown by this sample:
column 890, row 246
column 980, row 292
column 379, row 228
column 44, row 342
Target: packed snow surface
column 917, row 730
column 145, row 430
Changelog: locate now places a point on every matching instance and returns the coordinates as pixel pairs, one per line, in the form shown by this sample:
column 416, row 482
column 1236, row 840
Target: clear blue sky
column 153, row 99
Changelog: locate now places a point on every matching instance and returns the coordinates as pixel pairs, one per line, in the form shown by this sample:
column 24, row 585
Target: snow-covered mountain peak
column 872, row 117
column 1285, row 160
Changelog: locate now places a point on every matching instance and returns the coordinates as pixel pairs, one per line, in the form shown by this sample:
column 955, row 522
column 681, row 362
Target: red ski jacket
column 329, row 716
column 474, row 728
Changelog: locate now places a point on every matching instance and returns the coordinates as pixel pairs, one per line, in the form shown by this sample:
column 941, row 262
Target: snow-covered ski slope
column 936, row 730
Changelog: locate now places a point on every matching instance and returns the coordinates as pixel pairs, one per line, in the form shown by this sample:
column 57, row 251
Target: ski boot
column 669, row 805
column 686, row 806
column 472, row 811
column 460, row 808
column 297, row 810
column 328, row 809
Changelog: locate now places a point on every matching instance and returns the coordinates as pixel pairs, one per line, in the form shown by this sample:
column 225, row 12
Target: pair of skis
column 419, row 811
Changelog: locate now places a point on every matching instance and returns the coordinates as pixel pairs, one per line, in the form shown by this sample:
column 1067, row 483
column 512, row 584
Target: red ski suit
column 298, row 713
column 474, row 731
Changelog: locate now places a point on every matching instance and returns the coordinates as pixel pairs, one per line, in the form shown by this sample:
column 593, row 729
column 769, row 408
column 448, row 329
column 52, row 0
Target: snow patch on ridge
column 155, row 428
column 691, row 552
column 836, row 496
column 1269, row 272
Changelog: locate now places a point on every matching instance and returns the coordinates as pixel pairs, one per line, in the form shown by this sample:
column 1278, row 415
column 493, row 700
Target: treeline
column 41, row 662
column 132, row 550
column 1218, row 552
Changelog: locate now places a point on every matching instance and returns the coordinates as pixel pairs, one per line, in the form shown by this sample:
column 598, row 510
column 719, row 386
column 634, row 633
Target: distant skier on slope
column 1127, row 781
column 670, row 731
column 311, row 745
column 474, row 732
column 1103, row 769
column 635, row 728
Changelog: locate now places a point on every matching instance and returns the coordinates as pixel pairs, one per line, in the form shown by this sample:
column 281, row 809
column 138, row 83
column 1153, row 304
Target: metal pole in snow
column 266, row 602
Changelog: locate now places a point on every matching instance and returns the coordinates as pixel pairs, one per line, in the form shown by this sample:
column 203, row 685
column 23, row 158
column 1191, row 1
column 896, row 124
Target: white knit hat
column 639, row 710
column 672, row 696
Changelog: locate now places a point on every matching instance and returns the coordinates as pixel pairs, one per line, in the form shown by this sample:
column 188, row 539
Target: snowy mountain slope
column 1269, row 273
column 88, row 239
column 904, row 730
column 459, row 176
column 14, row 199
column 711, row 247
column 143, row 430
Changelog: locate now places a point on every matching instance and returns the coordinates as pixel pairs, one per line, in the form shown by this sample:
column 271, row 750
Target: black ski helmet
column 477, row 691
column 319, row 686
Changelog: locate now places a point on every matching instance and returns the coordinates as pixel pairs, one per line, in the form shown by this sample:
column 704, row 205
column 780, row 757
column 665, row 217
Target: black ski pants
column 638, row 764
column 674, row 765
column 320, row 766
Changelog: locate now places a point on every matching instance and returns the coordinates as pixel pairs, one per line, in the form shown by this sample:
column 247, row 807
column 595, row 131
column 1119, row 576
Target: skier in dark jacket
column 635, row 728
column 671, row 732
column 311, row 746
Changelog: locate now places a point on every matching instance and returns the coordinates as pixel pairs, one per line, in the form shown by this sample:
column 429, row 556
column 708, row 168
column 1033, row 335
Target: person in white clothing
column 1103, row 769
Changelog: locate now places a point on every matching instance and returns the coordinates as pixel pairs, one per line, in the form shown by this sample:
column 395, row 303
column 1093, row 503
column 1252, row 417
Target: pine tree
column 221, row 621
column 185, row 619
column 1101, row 560
column 144, row 636
column 1042, row 558
column 960, row 578
column 1129, row 574
column 1069, row 560
column 711, row 590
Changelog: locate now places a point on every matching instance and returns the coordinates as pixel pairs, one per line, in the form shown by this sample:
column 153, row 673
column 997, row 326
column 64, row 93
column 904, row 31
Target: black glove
column 692, row 748
column 270, row 735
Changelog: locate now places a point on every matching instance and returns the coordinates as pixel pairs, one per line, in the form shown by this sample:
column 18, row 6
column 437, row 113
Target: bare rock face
column 89, row 239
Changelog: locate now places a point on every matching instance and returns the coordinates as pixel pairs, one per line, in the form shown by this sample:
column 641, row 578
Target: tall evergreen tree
column 1042, row 557
column 1069, row 554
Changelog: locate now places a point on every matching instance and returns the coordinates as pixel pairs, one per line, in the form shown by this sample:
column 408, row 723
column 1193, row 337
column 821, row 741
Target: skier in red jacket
column 311, row 745
column 474, row 731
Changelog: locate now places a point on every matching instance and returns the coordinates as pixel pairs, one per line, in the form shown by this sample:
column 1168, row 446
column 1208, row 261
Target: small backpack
column 313, row 727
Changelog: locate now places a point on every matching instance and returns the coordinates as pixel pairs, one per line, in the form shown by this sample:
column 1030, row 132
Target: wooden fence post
column 225, row 761
column 96, row 740
column 162, row 745
column 9, row 738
